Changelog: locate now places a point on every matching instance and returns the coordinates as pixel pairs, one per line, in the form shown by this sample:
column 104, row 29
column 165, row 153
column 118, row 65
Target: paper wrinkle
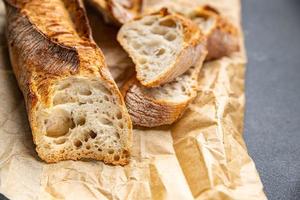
column 202, row 156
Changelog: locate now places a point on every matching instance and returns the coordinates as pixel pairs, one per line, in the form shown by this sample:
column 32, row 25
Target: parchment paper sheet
column 203, row 156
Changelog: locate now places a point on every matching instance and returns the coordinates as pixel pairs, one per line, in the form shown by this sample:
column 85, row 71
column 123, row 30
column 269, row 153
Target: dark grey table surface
column 272, row 121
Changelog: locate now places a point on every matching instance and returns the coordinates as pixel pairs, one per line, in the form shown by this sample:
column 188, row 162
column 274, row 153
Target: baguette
column 117, row 12
column 222, row 36
column 162, row 46
column 150, row 107
column 74, row 107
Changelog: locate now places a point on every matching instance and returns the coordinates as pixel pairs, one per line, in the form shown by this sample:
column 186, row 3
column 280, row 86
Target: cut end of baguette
column 84, row 121
column 163, row 46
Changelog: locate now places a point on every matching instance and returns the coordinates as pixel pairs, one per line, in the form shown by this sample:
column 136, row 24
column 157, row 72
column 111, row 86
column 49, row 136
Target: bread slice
column 74, row 107
column 150, row 107
column 222, row 36
column 162, row 46
column 117, row 11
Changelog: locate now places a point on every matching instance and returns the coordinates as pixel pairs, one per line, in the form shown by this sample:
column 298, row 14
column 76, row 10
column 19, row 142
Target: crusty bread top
column 118, row 11
column 65, row 44
column 162, row 46
column 222, row 36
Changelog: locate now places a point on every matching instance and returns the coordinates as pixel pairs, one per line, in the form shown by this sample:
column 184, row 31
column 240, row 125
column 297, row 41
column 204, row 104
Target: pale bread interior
column 85, row 121
column 154, row 43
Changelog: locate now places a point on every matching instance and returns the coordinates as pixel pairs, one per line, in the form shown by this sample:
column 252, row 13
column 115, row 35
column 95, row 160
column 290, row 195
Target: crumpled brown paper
column 202, row 156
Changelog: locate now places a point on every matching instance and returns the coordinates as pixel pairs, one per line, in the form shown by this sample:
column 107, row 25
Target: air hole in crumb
column 60, row 141
column 61, row 98
column 126, row 153
column 121, row 125
column 142, row 60
column 119, row 115
column 188, row 73
column 99, row 149
column 88, row 147
column 77, row 143
column 116, row 157
column 58, row 123
column 168, row 23
column 160, row 52
column 93, row 134
column 148, row 22
column 111, row 151
column 170, row 37
column 159, row 30
column 183, row 88
column 85, row 92
column 144, row 52
column 106, row 98
column 80, row 121
column 105, row 121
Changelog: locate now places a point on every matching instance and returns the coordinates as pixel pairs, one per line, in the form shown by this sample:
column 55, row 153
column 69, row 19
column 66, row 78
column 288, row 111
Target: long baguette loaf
column 74, row 107
column 117, row 11
column 162, row 46
column 222, row 36
column 150, row 107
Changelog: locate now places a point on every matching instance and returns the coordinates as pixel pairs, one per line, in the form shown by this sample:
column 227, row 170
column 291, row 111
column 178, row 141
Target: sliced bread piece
column 74, row 107
column 150, row 107
column 222, row 36
column 117, row 11
column 162, row 46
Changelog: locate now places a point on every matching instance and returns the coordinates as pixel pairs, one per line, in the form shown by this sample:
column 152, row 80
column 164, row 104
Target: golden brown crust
column 47, row 44
column 118, row 11
column 147, row 111
column 222, row 39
